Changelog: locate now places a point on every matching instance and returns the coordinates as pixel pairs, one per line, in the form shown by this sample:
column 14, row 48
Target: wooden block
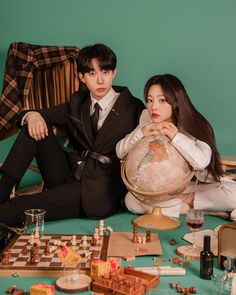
column 129, row 258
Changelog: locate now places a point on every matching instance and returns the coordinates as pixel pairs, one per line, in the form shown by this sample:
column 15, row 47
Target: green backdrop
column 194, row 40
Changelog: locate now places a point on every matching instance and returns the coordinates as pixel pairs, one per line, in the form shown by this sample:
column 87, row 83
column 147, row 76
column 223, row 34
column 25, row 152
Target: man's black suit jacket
column 101, row 184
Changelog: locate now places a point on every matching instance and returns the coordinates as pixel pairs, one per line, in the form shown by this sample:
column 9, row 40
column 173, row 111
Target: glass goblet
column 194, row 221
column 230, row 268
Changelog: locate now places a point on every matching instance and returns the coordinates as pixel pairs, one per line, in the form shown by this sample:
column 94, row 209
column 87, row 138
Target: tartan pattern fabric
column 22, row 60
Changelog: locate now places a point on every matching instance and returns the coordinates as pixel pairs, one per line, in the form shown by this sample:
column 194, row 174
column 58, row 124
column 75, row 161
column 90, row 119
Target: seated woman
column 170, row 112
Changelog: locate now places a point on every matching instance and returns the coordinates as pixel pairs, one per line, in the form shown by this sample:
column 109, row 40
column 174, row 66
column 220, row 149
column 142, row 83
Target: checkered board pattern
column 19, row 262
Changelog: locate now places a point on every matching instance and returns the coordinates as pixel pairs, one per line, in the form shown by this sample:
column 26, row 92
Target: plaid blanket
column 22, row 60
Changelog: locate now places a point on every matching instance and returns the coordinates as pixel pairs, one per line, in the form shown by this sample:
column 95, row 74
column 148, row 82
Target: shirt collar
column 105, row 101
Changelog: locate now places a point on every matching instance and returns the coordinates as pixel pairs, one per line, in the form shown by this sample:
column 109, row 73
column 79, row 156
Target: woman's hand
column 164, row 128
column 150, row 129
column 168, row 129
column 37, row 126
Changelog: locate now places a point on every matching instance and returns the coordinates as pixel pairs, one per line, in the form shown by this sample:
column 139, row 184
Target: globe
column 155, row 171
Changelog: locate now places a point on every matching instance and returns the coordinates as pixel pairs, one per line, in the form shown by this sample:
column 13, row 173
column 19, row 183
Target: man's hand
column 164, row 128
column 37, row 126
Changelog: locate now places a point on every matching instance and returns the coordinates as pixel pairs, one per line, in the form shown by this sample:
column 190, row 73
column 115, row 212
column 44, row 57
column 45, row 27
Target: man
column 86, row 182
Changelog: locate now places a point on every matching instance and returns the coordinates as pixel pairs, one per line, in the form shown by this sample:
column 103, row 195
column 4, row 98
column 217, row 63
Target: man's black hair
column 105, row 56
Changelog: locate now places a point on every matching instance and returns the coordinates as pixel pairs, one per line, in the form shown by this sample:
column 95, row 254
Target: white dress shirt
column 106, row 104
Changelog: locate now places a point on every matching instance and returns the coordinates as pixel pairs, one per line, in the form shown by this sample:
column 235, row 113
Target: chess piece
column 25, row 250
column 32, row 259
column 36, row 252
column 11, row 289
column 55, row 243
column 172, row 241
column 143, row 239
column 36, row 234
column 73, row 242
column 94, row 240
column 135, row 234
column 84, row 242
column 96, row 237
column 139, row 239
column 47, row 249
column 148, row 236
column 68, row 243
column 110, row 229
column 101, row 227
column 96, row 234
column 31, row 239
column 52, row 248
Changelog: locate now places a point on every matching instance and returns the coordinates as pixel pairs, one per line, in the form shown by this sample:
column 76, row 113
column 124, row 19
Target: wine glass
column 230, row 268
column 194, row 221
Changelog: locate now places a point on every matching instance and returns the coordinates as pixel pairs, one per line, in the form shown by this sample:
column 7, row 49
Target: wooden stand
column 156, row 220
column 186, row 252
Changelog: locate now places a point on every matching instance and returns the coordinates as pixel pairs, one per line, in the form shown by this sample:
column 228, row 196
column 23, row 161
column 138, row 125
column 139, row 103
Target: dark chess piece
column 24, row 250
column 148, row 236
column 47, row 249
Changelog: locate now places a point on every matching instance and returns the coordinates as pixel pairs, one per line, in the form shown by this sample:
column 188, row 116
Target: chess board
column 50, row 265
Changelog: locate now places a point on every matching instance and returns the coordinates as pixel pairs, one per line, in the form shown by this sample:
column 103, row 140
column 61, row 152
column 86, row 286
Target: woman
column 170, row 112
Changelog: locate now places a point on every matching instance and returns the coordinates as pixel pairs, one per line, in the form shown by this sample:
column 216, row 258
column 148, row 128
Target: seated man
column 86, row 182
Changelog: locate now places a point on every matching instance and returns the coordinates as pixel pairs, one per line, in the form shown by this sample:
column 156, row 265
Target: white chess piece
column 73, row 242
column 31, row 239
column 84, row 242
column 101, row 222
column 101, row 231
column 144, row 239
column 36, row 234
column 110, row 229
column 55, row 243
column 139, row 239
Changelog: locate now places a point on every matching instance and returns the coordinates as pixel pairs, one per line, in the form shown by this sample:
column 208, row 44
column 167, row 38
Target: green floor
column 122, row 222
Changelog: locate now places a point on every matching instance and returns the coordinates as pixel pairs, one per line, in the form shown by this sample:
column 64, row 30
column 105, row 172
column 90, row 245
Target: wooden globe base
column 156, row 220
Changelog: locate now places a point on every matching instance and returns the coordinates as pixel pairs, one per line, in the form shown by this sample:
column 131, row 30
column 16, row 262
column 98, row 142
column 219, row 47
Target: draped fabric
column 36, row 77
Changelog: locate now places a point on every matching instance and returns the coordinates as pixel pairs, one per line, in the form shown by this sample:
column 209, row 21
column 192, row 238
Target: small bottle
column 206, row 260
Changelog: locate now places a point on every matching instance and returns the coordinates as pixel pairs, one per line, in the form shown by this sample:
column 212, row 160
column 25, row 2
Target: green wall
column 193, row 39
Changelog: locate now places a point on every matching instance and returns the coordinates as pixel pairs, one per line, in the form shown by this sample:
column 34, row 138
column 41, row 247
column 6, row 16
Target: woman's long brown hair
column 187, row 117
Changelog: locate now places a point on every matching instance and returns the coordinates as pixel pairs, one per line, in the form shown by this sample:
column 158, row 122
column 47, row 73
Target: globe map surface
column 154, row 170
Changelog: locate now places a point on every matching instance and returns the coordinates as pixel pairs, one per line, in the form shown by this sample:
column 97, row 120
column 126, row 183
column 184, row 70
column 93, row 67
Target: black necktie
column 94, row 119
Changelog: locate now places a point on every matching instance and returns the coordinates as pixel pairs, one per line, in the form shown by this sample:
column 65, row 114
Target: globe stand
column 156, row 220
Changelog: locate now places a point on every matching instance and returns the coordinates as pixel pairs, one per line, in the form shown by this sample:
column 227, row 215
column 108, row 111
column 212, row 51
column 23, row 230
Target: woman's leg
column 216, row 196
